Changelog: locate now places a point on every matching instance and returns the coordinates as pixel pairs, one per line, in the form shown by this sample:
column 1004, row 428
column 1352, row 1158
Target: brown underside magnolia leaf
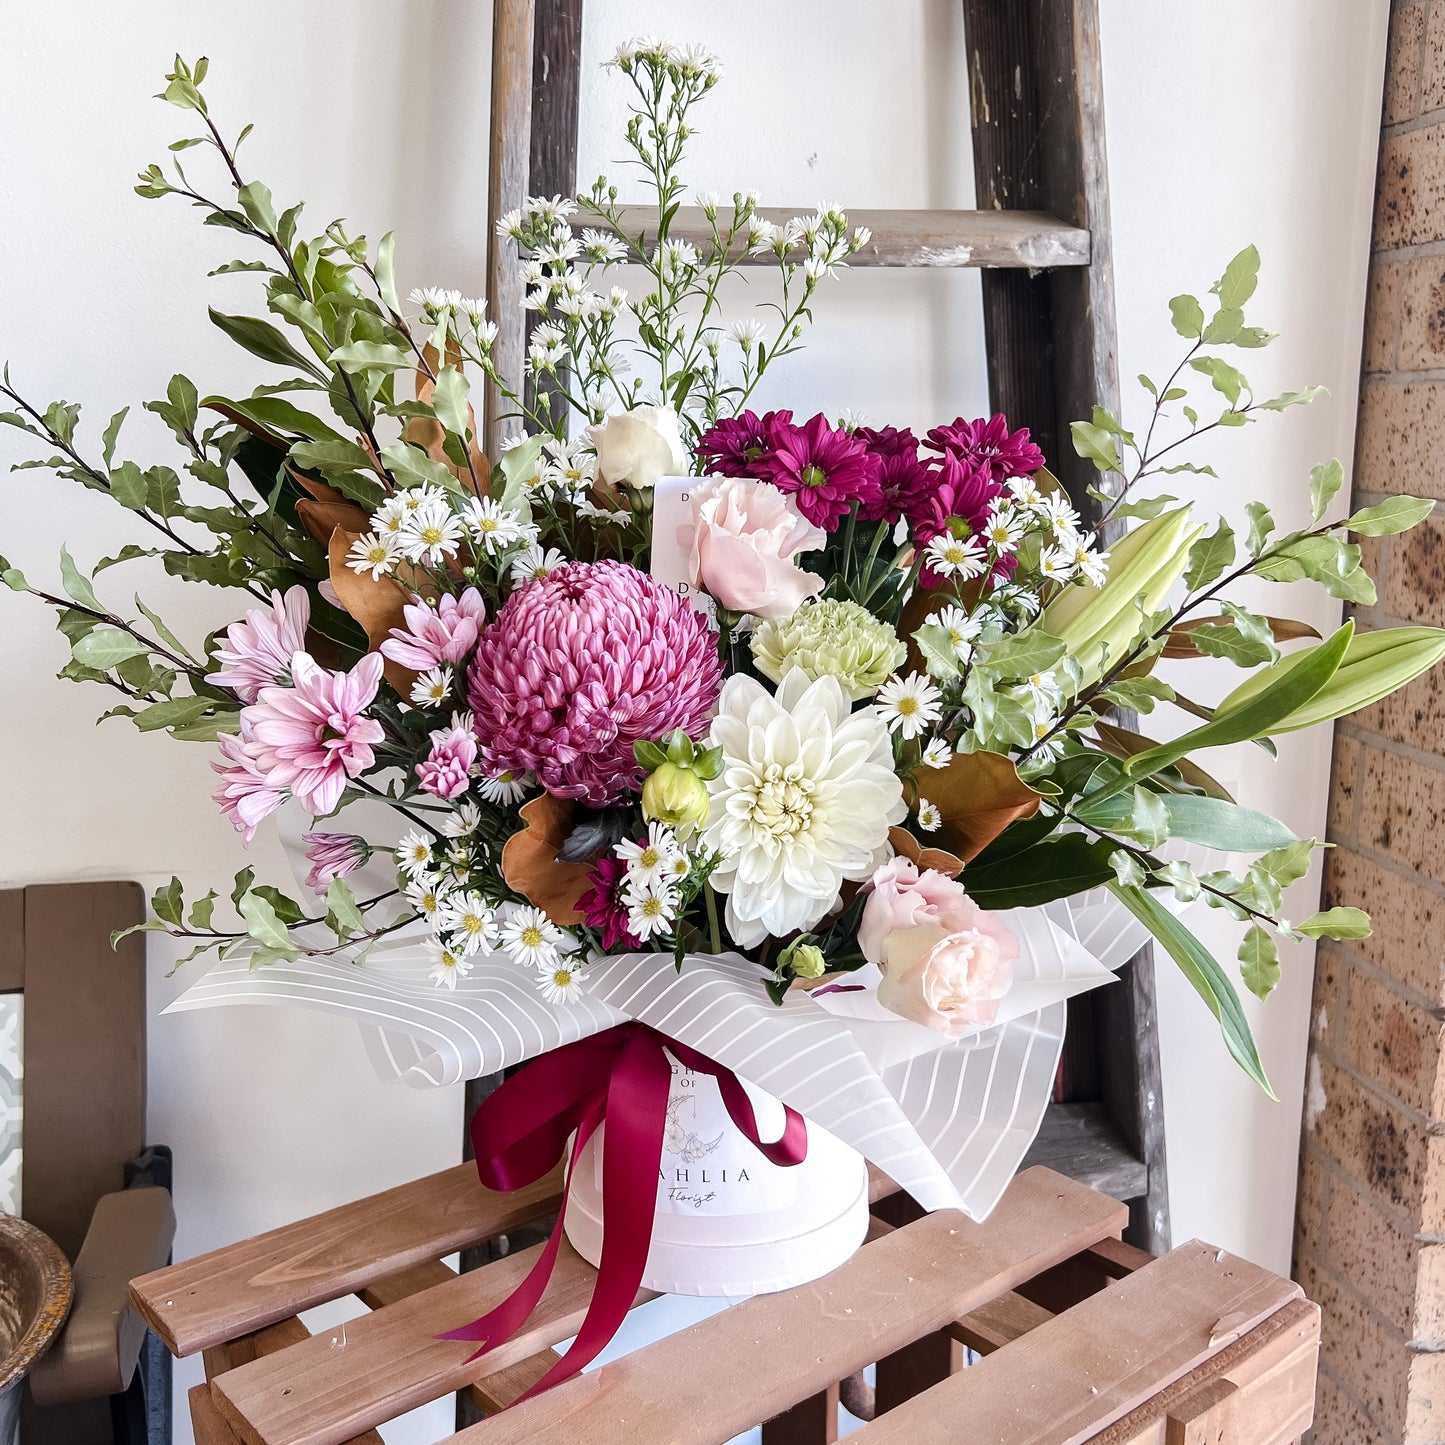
column 979, row 795
column 924, row 859
column 376, row 603
column 1179, row 643
column 321, row 519
column 529, row 860
column 430, row 435
column 1124, row 743
column 319, row 490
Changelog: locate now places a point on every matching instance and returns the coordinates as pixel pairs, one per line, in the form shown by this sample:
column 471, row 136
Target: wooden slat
column 813, row 1421
column 993, row 1325
column 511, row 133
column 405, row 1283
column 1080, row 1141
column 911, row 1281
column 1273, row 1369
column 393, row 1361
column 240, row 1288
column 928, row 239
column 1081, row 1371
column 12, row 940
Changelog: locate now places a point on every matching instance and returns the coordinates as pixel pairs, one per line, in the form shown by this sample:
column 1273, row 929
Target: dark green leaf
column 262, row 339
column 1057, row 867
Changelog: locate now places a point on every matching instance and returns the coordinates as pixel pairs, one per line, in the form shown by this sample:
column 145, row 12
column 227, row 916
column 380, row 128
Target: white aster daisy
column 1003, row 530
column 909, row 705
column 464, row 820
column 430, row 533
column 433, row 687
column 532, row 562
column 1056, row 564
column 803, row 802
column 561, row 982
column 470, row 922
column 651, row 908
column 495, row 527
column 1060, row 515
column 531, row 937
column 375, row 552
column 649, row 861
column 448, row 965
column 506, row 787
column 424, row 893
column 961, row 557
column 1092, row 566
column 963, row 631
column 937, row 754
column 414, row 854
column 929, row 818
column 1025, row 491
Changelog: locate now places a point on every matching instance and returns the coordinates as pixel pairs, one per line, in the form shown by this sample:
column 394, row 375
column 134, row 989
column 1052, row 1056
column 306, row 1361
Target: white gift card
column 671, row 515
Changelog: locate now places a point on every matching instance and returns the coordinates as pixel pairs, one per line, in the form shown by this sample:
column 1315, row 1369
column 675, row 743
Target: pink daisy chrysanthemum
column 581, row 664
column 824, row 468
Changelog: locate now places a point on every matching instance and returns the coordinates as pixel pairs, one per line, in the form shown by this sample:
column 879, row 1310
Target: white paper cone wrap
column 950, row 1120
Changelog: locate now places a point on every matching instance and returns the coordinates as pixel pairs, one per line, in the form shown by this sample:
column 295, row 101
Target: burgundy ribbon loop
column 520, row 1132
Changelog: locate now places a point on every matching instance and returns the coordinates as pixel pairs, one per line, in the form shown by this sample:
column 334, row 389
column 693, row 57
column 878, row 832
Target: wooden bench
column 1076, row 1336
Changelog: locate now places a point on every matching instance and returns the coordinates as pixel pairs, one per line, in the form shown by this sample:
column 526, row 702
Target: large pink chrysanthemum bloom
column 582, row 663
column 314, row 736
column 258, row 649
column 436, row 636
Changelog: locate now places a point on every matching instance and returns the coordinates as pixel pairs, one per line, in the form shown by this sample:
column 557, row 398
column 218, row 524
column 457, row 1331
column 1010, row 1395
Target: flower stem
column 713, row 931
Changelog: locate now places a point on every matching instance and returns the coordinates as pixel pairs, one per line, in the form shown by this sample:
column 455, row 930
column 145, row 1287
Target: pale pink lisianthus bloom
column 333, row 855
column 315, row 735
column 258, row 649
column 899, row 896
column 244, row 794
column 447, row 769
column 740, row 545
column 436, row 636
column 947, row 980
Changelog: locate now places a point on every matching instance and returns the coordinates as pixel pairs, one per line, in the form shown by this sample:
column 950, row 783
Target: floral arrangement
column 672, row 674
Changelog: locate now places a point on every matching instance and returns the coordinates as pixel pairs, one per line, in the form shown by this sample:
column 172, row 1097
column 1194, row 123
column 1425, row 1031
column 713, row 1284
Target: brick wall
column 1370, row 1241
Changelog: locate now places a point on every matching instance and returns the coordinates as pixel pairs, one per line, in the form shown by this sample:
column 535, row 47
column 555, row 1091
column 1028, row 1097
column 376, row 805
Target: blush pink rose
column 947, row 981
column 741, row 543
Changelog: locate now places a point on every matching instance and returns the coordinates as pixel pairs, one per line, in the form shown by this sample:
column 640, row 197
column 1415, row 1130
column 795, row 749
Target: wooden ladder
column 1042, row 240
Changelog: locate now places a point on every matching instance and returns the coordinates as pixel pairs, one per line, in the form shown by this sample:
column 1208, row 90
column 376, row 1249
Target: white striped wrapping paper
column 949, row 1120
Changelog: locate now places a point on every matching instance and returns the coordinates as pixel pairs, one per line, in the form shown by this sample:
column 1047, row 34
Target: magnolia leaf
column 1187, row 315
column 1022, row 655
column 1325, row 480
column 377, row 603
column 77, row 586
column 1260, row 956
column 1059, row 867
column 103, row 647
column 1209, row 556
column 529, row 860
column 1394, row 514
column 262, row 339
column 978, row 795
column 1224, row 826
column 1180, row 642
column 935, row 860
column 1336, row 923
column 1124, row 743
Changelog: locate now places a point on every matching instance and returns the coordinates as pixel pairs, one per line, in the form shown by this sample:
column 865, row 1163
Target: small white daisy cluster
column 1039, row 530
column 425, row 525
column 438, row 304
column 684, row 64
column 465, row 926
column 657, row 867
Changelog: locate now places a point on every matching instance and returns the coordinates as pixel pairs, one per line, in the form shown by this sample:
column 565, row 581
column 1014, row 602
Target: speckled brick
column 1432, row 1192
column 1422, row 316
column 1432, row 74
column 1402, row 812
column 1406, row 919
column 1425, row 1414
column 1410, row 189
column 1400, row 421
column 1311, row 1211
column 1360, row 1350
column 1339, row 1421
column 1373, row 1255
column 1327, row 1019
column 1344, row 775
column 1395, row 1043
column 1414, row 715
column 1375, row 1143
column 1415, row 586
column 1430, row 1294
column 1402, row 67
column 1382, row 315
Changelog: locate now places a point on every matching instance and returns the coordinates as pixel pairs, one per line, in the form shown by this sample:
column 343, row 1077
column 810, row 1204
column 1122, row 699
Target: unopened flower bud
column 675, row 796
column 806, row 960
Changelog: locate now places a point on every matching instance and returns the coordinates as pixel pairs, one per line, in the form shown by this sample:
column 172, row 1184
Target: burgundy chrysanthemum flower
column 601, row 906
column 959, row 503
column 734, row 446
column 578, row 666
column 824, row 468
column 988, row 443
column 904, row 481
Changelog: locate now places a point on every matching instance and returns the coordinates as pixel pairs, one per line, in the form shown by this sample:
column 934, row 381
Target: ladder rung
column 1032, row 240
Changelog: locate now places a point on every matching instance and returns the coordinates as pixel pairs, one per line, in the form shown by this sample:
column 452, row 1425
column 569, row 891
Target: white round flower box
column 729, row 1222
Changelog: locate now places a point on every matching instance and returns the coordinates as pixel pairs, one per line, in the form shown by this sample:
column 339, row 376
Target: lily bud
column 1098, row 624
column 1375, row 664
column 675, row 795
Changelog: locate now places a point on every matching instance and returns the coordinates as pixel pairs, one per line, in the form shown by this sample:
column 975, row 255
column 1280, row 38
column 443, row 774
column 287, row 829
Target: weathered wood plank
column 1080, row 1372
column 242, row 1287
column 911, row 1281
column 813, row 1421
column 12, row 940
column 1032, row 240
column 1082, row 1142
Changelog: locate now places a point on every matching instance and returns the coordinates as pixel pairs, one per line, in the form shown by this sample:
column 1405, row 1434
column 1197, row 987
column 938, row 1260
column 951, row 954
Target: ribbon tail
column 636, row 1119
column 501, row 1323
column 791, row 1147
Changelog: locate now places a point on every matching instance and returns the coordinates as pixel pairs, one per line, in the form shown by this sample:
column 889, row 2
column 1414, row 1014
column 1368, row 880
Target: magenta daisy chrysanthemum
column 581, row 664
column 601, row 906
column 733, row 446
column 824, row 468
column 958, row 503
column 905, row 482
column 988, row 444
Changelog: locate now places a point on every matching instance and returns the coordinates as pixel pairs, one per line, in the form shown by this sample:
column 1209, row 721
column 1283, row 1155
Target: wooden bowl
column 35, row 1293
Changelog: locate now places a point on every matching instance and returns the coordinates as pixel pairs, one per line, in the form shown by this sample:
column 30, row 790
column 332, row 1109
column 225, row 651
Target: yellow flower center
column 906, row 705
column 648, row 857
column 651, row 907
column 473, row 923
column 487, row 524
column 431, row 535
column 562, row 978
column 377, row 554
column 428, row 902
column 532, row 937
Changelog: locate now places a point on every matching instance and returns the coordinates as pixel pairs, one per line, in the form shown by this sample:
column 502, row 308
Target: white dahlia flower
column 804, row 801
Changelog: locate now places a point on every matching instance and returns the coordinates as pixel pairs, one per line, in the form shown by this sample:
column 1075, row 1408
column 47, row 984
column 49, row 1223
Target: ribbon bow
column 520, row 1132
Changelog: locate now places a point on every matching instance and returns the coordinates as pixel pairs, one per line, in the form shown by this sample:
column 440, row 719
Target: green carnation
column 830, row 639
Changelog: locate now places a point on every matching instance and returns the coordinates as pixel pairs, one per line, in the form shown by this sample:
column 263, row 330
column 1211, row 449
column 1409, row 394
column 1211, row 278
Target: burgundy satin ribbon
column 521, row 1131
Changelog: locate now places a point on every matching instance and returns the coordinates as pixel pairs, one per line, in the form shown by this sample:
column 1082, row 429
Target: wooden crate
column 1079, row 1337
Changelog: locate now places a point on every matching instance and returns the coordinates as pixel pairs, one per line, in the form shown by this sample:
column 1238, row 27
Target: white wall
column 1228, row 122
